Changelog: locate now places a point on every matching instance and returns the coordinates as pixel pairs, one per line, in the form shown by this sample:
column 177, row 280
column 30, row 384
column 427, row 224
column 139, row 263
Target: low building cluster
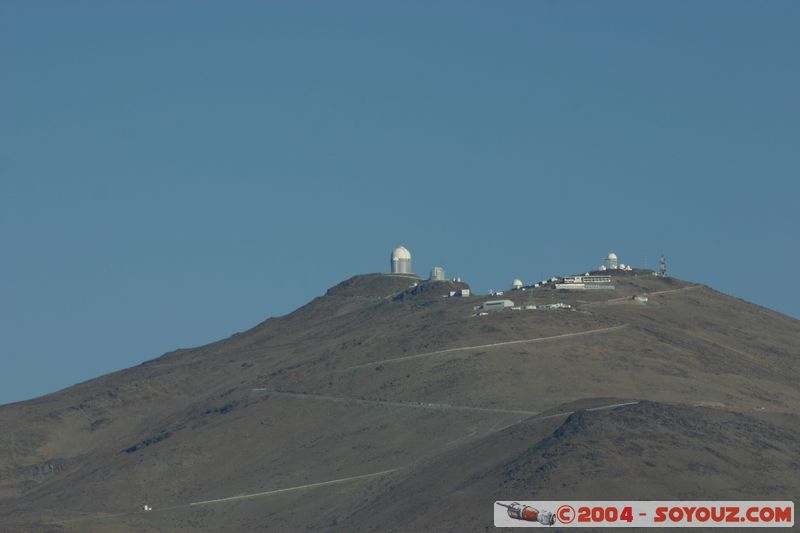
column 500, row 305
column 585, row 282
column 400, row 262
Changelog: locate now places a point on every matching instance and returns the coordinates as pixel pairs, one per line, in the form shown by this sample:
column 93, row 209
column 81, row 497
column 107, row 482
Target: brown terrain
column 381, row 406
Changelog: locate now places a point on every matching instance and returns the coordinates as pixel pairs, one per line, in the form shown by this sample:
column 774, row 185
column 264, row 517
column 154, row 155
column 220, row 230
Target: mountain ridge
column 379, row 374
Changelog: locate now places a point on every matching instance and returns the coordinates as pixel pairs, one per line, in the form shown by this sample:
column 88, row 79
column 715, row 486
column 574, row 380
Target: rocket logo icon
column 528, row 513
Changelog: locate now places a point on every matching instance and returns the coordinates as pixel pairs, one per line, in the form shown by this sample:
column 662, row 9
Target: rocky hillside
column 386, row 404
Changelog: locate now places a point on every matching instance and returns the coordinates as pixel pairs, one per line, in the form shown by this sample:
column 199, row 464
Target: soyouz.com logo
column 643, row 514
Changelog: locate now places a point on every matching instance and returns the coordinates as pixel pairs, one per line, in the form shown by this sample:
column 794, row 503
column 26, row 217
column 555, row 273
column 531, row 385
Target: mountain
column 386, row 404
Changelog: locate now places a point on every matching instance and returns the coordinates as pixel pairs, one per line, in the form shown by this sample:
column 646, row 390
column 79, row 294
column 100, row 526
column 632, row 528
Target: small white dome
column 516, row 283
column 602, row 267
column 612, row 256
column 401, row 252
column 622, row 266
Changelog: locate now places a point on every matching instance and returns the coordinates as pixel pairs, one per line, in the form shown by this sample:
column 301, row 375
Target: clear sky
column 174, row 172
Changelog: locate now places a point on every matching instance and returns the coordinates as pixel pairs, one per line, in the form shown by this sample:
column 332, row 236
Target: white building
column 611, row 262
column 586, row 282
column 437, row 274
column 495, row 305
column 401, row 261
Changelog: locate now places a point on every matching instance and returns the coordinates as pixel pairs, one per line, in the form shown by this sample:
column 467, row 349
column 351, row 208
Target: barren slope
column 413, row 408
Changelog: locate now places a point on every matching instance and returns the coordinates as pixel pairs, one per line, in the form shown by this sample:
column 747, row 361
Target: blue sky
column 174, row 172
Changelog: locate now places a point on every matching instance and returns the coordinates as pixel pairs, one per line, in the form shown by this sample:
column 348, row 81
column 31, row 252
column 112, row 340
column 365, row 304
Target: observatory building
column 437, row 274
column 610, row 262
column 401, row 261
column 585, row 282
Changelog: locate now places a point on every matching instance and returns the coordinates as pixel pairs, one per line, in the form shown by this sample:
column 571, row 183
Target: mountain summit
column 394, row 403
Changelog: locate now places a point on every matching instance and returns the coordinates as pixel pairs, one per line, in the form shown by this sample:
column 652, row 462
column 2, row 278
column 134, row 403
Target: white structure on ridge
column 494, row 305
column 437, row 274
column 586, row 282
column 610, row 262
column 401, row 261
column 516, row 284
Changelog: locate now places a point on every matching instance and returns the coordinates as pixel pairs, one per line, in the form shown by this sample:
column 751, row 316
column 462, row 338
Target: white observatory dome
column 400, row 262
column 517, row 284
column 401, row 252
column 610, row 262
